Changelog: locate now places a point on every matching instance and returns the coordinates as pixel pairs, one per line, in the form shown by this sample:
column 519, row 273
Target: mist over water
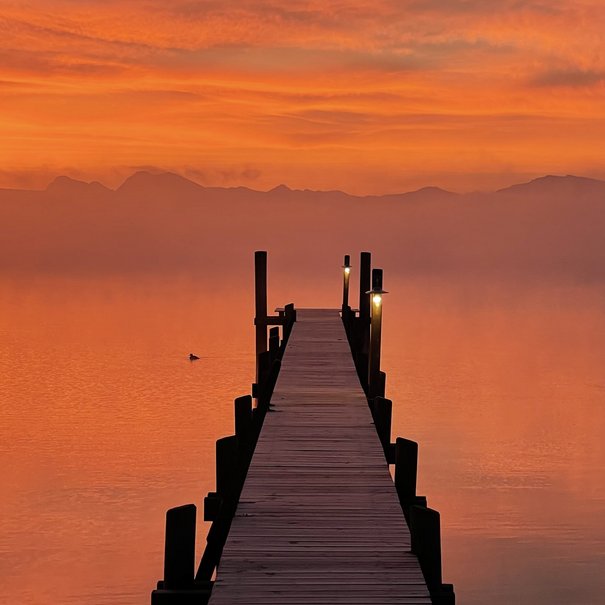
column 494, row 338
column 105, row 424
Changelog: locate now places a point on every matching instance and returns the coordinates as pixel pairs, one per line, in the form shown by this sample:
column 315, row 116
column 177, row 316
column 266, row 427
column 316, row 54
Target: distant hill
column 557, row 186
column 66, row 186
column 548, row 228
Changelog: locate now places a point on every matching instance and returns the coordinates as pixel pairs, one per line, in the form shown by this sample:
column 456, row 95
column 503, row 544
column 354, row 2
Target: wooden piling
column 406, row 470
column 227, row 475
column 365, row 283
column 290, row 319
column 179, row 549
column 382, row 411
column 260, row 299
column 274, row 343
column 426, row 545
column 243, row 417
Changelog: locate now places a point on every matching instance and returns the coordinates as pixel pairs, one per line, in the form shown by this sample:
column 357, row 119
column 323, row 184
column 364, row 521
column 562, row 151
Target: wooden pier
column 305, row 510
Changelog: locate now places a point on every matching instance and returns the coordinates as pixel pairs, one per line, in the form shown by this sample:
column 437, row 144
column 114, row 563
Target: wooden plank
column 319, row 520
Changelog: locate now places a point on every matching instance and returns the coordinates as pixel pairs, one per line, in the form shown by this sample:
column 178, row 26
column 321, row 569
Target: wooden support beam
column 199, row 595
column 270, row 320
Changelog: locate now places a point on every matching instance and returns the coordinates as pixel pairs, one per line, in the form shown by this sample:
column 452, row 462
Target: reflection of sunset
column 109, row 423
column 361, row 96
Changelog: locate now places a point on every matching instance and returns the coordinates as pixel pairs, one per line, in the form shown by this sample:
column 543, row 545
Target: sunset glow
column 376, row 96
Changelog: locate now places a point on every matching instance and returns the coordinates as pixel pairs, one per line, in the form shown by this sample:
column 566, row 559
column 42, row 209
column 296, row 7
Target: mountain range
column 549, row 228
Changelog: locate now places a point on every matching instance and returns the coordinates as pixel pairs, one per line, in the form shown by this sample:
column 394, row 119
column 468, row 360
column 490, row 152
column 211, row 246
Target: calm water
column 105, row 424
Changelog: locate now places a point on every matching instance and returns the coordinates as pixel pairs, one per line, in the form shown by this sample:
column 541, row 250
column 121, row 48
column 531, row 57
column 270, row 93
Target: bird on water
column 192, row 357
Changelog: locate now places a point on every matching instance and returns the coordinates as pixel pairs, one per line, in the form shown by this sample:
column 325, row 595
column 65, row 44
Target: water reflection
column 504, row 396
column 105, row 423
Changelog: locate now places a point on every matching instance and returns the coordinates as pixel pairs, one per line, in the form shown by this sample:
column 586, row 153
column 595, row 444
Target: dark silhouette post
column 406, row 470
column 274, row 343
column 243, row 417
column 425, row 530
column 260, row 298
column 226, row 467
column 179, row 551
column 383, row 411
column 374, row 377
column 362, row 332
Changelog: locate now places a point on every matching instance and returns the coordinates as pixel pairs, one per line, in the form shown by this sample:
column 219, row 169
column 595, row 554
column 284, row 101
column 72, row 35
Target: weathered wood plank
column 319, row 520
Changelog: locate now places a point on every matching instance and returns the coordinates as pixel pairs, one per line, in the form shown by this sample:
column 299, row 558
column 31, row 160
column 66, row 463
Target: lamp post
column 346, row 274
column 375, row 294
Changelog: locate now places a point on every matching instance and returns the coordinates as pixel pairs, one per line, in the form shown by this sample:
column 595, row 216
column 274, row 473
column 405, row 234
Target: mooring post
column 425, row 530
column 260, row 298
column 179, row 551
column 227, row 476
column 243, row 417
column 274, row 343
column 406, row 470
column 289, row 319
column 383, row 411
column 376, row 382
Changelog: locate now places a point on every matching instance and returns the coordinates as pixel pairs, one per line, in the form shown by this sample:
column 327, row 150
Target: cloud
column 569, row 78
column 261, row 90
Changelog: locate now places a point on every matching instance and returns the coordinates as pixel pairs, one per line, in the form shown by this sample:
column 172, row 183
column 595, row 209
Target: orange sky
column 377, row 96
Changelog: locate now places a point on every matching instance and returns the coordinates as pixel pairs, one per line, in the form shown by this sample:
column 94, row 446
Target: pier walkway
column 318, row 519
column 305, row 511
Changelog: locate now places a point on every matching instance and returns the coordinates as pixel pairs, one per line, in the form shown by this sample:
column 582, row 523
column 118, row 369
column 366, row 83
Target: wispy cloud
column 265, row 91
column 571, row 77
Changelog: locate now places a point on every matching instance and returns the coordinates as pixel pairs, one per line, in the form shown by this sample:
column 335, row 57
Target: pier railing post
column 260, row 299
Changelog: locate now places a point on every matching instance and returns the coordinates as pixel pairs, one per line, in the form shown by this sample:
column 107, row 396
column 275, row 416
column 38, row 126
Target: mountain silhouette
column 548, row 228
column 150, row 184
column 557, row 185
column 66, row 186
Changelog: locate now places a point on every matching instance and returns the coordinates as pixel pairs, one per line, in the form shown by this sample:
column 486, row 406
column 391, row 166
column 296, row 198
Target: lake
column 105, row 424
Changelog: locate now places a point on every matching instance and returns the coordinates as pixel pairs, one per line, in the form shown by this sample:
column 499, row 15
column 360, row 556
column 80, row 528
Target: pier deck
column 318, row 520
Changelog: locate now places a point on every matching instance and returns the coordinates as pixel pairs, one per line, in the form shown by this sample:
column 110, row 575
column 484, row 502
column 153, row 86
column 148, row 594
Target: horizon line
column 283, row 186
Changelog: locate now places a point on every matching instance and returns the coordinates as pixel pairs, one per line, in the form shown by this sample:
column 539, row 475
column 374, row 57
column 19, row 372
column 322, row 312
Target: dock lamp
column 376, row 294
column 346, row 274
